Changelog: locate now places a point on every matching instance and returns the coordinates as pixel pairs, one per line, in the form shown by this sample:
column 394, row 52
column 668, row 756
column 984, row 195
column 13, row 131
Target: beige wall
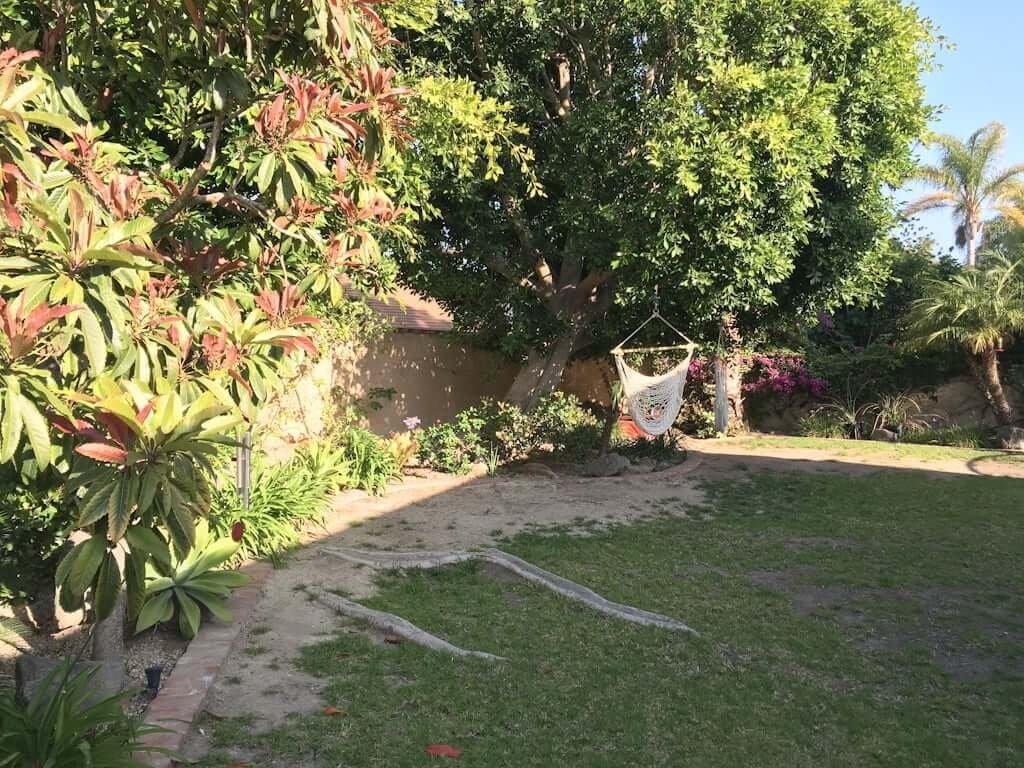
column 433, row 379
column 588, row 380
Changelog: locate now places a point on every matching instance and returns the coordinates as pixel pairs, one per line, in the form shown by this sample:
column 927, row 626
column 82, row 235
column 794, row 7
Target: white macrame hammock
column 654, row 401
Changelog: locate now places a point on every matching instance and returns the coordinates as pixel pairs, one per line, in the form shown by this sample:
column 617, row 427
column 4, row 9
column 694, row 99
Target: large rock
column 642, row 466
column 30, row 672
column 609, row 465
column 534, row 468
column 884, row 436
column 1011, row 438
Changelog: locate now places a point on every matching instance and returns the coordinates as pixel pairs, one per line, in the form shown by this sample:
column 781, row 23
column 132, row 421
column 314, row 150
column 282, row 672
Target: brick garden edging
column 181, row 700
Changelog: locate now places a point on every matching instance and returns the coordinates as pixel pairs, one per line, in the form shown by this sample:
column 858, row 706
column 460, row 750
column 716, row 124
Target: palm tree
column 977, row 310
column 967, row 180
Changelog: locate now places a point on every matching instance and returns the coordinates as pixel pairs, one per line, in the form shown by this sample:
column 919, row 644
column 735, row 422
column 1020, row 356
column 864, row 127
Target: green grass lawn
column 868, row 448
column 871, row 621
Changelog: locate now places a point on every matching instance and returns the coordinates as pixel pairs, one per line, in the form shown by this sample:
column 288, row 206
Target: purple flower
column 412, row 422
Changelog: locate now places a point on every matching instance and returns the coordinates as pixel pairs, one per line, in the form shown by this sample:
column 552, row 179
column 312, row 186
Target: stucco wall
column 433, row 379
column 588, row 380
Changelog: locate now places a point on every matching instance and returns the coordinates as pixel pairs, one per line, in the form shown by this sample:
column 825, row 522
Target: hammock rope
column 654, row 402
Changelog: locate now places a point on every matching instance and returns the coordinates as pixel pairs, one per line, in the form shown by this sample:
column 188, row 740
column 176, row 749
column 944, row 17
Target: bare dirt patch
column 434, row 512
column 968, row 640
column 799, row 542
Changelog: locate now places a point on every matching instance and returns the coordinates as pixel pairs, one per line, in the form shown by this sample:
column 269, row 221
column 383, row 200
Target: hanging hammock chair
column 654, row 401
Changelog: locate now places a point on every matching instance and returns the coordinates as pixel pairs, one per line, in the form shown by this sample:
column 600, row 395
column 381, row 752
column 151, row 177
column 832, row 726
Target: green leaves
column 133, row 244
column 95, row 342
column 737, row 152
column 78, row 572
column 72, row 728
column 190, row 582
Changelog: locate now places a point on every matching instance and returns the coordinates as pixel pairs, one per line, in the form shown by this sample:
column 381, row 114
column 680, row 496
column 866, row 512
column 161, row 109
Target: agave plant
column 189, row 583
column 899, row 412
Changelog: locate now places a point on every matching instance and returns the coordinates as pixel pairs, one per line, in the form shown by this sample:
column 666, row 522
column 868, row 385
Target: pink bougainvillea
column 781, row 375
column 784, row 374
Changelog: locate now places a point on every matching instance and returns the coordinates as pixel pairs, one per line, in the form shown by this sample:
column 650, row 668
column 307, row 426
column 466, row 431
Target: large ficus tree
column 735, row 153
column 177, row 181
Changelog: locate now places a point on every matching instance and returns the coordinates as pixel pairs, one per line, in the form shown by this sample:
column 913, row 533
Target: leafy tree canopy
column 179, row 181
column 736, row 154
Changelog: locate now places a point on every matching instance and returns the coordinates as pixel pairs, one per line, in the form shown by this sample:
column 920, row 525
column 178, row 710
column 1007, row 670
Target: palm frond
column 958, row 160
column 1006, row 183
column 1013, row 213
column 987, row 145
column 930, row 202
column 936, row 177
column 13, row 633
column 974, row 309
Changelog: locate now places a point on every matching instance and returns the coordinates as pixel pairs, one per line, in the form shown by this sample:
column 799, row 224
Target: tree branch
column 588, row 285
column 540, row 265
column 572, row 264
column 204, row 167
column 500, row 265
column 253, row 207
column 229, row 199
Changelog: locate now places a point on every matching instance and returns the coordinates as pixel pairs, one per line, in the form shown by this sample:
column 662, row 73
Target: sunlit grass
column 917, row 575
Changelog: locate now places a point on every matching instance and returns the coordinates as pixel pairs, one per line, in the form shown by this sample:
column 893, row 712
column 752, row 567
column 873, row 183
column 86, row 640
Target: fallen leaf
column 343, row 656
column 443, row 750
column 392, row 639
column 334, row 711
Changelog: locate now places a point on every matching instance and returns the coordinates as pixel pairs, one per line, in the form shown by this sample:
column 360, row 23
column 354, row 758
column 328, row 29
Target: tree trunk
column 729, row 413
column 734, row 391
column 728, row 378
column 721, row 397
column 986, row 368
column 542, row 373
column 971, row 234
column 108, row 635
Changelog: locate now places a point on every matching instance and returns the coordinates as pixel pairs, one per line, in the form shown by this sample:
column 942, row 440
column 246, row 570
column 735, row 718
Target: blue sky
column 977, row 82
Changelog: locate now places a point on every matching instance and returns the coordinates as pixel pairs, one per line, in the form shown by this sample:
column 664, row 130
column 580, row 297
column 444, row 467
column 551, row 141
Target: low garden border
column 182, row 698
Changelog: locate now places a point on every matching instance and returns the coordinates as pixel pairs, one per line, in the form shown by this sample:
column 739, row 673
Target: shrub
column 697, row 414
column 781, row 374
column 370, row 461
column 497, row 432
column 446, row 448
column 283, row 499
column 563, row 422
column 825, row 423
column 403, row 447
column 880, row 367
column 954, row 437
column 62, row 726
column 185, row 585
column 34, row 521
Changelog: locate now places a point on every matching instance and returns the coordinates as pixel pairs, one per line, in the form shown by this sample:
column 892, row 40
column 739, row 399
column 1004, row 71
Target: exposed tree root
column 396, row 625
column 521, row 568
